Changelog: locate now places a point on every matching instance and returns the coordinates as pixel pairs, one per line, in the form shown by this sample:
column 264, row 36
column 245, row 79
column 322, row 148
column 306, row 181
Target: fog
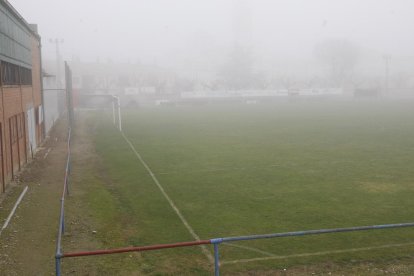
column 332, row 42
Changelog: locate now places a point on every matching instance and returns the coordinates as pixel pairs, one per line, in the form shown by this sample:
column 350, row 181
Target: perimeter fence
column 65, row 192
column 217, row 241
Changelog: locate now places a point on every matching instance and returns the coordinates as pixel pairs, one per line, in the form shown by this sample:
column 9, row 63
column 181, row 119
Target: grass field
column 255, row 169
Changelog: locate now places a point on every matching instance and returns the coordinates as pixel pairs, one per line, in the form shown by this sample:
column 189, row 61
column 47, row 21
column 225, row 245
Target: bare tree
column 340, row 58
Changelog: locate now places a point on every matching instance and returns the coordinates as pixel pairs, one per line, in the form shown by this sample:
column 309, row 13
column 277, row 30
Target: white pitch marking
column 47, row 153
column 317, row 253
column 251, row 249
column 14, row 209
column 177, row 211
column 218, row 170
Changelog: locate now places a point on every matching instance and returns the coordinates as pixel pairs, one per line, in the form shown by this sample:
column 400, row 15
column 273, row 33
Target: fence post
column 216, row 260
column 57, row 264
column 63, row 223
column 67, row 177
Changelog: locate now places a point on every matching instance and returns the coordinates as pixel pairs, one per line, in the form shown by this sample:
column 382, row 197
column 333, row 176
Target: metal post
column 69, row 96
column 57, row 264
column 68, row 177
column 216, row 260
column 67, row 185
column 119, row 114
column 387, row 72
column 63, row 223
column 67, row 174
column 113, row 110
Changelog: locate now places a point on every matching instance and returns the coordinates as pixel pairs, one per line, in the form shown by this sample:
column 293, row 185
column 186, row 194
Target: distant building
column 21, row 110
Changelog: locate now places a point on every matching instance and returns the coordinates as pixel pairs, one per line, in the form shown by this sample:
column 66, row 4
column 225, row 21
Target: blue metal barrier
column 61, row 231
column 218, row 241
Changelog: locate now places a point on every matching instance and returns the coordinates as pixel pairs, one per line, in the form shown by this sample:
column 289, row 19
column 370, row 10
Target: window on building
column 9, row 74
column 12, row 74
column 25, row 76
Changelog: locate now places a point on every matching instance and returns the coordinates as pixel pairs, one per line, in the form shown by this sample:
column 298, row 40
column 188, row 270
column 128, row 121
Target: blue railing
column 58, row 255
column 216, row 242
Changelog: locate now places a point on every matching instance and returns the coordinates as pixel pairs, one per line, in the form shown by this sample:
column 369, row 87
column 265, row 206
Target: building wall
column 36, row 86
column 21, row 97
column 51, row 100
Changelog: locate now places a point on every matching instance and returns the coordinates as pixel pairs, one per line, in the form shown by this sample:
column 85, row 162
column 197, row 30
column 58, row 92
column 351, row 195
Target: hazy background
column 143, row 29
column 212, row 37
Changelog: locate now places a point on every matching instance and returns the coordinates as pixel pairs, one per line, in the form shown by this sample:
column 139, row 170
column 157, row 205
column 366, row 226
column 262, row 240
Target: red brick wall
column 27, row 96
column 16, row 100
column 12, row 105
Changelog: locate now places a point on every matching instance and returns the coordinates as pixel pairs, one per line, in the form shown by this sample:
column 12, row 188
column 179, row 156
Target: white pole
column 113, row 109
column 119, row 114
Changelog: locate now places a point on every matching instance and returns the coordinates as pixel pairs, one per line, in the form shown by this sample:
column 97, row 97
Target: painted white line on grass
column 177, row 211
column 250, row 248
column 317, row 253
column 47, row 153
column 14, row 209
column 212, row 170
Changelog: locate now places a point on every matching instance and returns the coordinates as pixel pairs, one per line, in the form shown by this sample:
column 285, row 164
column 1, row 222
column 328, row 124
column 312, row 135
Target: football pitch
column 229, row 170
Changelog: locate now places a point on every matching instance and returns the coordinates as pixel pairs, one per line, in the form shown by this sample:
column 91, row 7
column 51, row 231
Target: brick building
column 21, row 110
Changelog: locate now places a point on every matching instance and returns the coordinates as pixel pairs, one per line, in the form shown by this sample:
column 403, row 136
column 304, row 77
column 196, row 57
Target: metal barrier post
column 57, row 264
column 63, row 223
column 216, row 243
column 216, row 260
column 67, row 179
column 61, row 231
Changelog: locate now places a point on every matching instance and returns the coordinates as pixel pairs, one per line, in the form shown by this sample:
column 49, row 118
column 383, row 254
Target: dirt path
column 27, row 245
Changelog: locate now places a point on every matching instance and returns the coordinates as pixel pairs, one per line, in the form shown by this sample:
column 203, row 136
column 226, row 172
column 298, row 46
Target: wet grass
column 239, row 170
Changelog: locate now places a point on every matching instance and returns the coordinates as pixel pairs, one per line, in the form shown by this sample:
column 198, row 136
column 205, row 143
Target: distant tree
column 340, row 58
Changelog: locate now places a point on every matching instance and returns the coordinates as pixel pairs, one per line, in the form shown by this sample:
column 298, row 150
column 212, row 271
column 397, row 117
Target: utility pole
column 387, row 73
column 69, row 94
column 58, row 41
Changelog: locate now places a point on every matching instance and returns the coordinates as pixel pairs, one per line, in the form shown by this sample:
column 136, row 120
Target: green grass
column 240, row 170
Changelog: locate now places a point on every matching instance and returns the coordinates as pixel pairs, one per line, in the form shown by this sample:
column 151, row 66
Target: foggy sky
column 163, row 31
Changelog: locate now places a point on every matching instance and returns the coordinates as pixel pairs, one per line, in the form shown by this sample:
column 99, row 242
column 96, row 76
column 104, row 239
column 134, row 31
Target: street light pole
column 387, row 72
column 113, row 110
column 58, row 41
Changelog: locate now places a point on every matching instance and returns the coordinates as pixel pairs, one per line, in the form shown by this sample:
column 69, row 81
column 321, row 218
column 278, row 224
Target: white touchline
column 212, row 170
column 250, row 248
column 318, row 253
column 14, row 209
column 177, row 211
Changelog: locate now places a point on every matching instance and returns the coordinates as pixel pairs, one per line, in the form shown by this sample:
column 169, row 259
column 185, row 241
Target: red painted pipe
column 132, row 249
